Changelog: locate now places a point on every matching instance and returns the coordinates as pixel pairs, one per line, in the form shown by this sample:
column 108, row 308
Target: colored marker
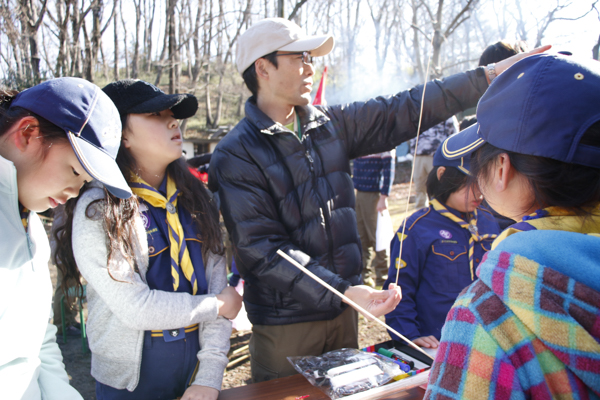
column 389, row 354
column 409, row 374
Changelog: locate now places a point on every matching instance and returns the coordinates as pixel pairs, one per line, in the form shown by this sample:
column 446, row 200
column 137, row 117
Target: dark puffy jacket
column 278, row 192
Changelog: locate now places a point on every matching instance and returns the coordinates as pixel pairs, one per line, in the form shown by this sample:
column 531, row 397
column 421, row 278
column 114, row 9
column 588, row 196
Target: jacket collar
column 310, row 118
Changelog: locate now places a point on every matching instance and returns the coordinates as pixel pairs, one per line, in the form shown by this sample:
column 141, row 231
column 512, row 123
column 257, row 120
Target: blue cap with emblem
column 541, row 106
column 90, row 120
column 461, row 163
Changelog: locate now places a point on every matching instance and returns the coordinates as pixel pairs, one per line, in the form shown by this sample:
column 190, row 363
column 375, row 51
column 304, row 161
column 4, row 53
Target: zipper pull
column 310, row 160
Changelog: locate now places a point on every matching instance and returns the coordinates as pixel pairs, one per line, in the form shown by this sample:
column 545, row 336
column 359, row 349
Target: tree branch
column 457, row 19
column 296, row 8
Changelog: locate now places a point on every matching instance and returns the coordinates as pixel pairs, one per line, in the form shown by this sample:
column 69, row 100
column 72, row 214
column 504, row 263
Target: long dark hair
column 553, row 183
column 451, row 181
column 49, row 133
column 117, row 216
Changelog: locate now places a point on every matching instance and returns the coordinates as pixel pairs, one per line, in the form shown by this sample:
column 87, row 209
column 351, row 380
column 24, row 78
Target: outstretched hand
column 503, row 65
column 377, row 302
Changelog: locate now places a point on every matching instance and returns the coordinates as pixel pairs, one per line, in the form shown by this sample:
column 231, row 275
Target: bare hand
column 382, row 203
column 377, row 302
column 197, row 392
column 503, row 65
column 229, row 302
column 427, row 341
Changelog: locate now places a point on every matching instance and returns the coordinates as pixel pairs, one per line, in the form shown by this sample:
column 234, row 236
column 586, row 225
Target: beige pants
column 271, row 344
column 374, row 268
column 423, row 166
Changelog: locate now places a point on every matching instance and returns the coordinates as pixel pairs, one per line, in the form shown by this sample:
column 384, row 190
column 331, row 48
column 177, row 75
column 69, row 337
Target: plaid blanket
column 525, row 330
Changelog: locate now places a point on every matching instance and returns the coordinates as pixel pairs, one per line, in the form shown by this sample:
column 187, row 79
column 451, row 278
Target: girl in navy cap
column 53, row 138
column 441, row 247
column 529, row 327
column 158, row 299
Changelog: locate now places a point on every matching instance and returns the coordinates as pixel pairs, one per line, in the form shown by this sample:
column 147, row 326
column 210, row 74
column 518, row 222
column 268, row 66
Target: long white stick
column 347, row 300
column 412, row 169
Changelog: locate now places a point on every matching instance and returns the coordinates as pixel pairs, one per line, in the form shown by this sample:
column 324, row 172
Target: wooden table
column 296, row 386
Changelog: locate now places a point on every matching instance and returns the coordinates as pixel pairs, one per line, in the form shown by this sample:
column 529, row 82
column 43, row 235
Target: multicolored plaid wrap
column 525, row 330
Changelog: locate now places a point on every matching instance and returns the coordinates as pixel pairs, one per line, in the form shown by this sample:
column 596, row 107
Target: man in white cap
column 283, row 179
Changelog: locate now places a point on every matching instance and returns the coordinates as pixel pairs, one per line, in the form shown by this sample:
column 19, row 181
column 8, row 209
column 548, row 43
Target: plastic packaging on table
column 345, row 372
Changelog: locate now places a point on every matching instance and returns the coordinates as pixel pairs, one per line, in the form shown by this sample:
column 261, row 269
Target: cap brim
column 318, row 46
column 100, row 166
column 463, row 143
column 182, row 105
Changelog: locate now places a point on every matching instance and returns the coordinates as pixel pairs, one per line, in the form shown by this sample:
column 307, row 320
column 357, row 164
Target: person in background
column 429, row 141
column 528, row 327
column 158, row 300
column 501, row 50
column 467, row 122
column 442, row 246
column 283, row 179
column 373, row 177
column 54, row 137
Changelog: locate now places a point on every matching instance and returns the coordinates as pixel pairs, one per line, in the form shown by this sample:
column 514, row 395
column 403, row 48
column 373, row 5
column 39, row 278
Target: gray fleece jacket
column 121, row 306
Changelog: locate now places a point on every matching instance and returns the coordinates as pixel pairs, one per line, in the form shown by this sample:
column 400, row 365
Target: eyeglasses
column 306, row 57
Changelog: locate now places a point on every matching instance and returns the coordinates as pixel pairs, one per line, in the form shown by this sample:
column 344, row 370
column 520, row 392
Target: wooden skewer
column 350, row 302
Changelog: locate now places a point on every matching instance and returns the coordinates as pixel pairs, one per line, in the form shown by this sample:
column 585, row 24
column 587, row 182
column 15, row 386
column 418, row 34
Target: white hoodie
column 31, row 364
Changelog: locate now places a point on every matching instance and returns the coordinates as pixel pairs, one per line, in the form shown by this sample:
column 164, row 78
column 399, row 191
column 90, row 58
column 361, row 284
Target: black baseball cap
column 134, row 96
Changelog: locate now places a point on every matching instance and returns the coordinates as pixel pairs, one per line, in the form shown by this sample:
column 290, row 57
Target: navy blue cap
column 90, row 120
column 540, row 106
column 461, row 163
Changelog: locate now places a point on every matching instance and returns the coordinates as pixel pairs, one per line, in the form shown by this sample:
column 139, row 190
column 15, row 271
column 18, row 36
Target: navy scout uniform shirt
column 159, row 265
column 434, row 269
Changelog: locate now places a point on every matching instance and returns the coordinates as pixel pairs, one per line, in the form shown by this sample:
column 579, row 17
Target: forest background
column 188, row 46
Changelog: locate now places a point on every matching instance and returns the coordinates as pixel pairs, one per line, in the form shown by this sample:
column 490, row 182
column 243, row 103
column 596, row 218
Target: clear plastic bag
column 345, row 372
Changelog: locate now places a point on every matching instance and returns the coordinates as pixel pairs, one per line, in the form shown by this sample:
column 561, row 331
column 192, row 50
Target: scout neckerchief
column 24, row 213
column 180, row 257
column 471, row 227
column 557, row 219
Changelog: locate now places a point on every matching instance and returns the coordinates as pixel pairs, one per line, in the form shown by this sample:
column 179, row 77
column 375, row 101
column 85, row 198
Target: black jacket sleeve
column 384, row 122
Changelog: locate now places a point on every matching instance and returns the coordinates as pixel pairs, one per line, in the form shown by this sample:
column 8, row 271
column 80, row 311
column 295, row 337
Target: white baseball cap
column 277, row 34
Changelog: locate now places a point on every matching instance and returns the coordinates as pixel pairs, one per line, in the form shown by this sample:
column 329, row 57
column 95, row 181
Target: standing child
column 442, row 246
column 529, row 328
column 53, row 138
column 157, row 297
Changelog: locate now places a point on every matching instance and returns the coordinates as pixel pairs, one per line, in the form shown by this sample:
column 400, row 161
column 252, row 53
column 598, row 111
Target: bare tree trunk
column 148, row 36
column 14, row 36
column 125, row 51
column 63, row 13
column 87, row 62
column 31, row 18
column 172, row 44
column 416, row 43
column 136, row 44
column 161, row 63
column 116, row 46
